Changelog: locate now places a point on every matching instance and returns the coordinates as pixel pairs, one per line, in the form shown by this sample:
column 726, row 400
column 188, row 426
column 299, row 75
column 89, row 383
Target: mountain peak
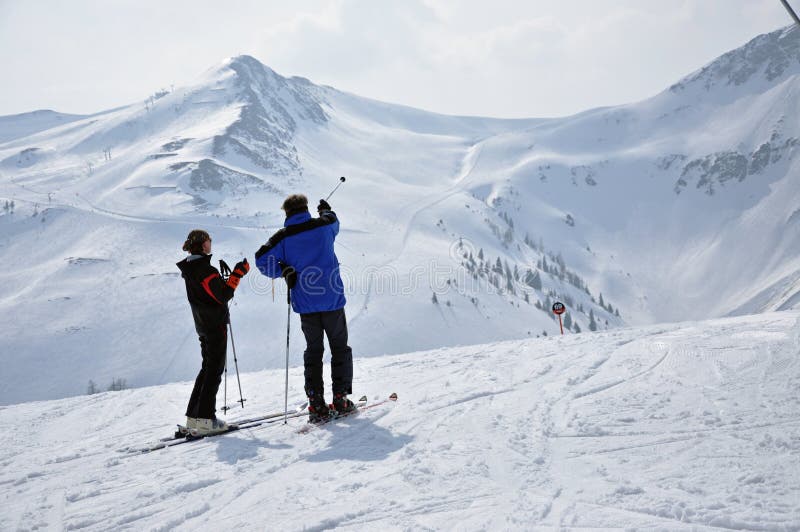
column 766, row 59
column 247, row 66
column 244, row 60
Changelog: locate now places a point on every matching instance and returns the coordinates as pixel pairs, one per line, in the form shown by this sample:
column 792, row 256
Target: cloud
column 348, row 39
column 500, row 58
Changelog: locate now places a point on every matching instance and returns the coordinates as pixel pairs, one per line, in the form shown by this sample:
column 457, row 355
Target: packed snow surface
column 690, row 426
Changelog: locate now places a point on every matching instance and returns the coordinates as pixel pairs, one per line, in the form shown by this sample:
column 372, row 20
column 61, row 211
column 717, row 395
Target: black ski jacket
column 208, row 294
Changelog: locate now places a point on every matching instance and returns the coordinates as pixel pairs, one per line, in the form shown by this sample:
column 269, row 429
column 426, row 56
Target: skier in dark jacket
column 208, row 295
column 302, row 252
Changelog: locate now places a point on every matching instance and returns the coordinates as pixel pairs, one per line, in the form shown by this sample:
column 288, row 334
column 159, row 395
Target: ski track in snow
column 677, row 427
column 470, row 159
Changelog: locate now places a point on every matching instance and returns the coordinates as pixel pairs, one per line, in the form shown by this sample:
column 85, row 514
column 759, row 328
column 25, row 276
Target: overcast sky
column 526, row 58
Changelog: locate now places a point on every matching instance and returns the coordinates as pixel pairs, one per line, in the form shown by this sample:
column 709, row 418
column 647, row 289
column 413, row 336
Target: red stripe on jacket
column 208, row 289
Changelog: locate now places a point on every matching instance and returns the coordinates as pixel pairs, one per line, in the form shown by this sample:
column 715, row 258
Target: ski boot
column 318, row 410
column 204, row 427
column 341, row 404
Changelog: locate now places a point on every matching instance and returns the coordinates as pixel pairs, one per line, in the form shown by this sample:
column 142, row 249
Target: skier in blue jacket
column 302, row 253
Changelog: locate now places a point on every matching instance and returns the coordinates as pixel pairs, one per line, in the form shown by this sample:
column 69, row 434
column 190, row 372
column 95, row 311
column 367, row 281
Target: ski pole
column 341, row 180
column 288, row 322
column 791, row 11
column 235, row 364
column 225, row 407
column 225, row 272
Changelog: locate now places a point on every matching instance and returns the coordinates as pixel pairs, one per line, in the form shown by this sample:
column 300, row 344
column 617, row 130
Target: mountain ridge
column 462, row 229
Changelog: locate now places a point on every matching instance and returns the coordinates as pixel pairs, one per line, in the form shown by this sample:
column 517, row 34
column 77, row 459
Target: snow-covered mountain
column 681, row 206
column 673, row 427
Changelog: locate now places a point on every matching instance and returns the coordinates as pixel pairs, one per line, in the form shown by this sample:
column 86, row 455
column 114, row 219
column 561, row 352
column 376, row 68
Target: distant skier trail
column 469, row 162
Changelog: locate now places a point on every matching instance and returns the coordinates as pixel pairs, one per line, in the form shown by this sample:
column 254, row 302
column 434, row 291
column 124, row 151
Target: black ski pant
column 333, row 324
column 213, row 347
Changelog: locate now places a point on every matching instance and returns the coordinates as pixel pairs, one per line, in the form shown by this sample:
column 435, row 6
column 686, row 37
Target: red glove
column 239, row 271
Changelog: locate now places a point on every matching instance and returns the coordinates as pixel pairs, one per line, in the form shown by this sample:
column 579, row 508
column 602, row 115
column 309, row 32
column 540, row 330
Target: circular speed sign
column 559, row 308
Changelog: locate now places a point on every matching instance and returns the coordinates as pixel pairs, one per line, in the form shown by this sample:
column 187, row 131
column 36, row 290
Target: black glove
column 289, row 274
column 323, row 206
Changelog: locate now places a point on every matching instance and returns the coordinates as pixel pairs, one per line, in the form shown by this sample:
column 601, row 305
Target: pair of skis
column 184, row 435
column 360, row 406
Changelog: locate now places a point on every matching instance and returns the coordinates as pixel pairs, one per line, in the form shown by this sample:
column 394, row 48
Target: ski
column 360, row 406
column 184, row 435
column 183, row 431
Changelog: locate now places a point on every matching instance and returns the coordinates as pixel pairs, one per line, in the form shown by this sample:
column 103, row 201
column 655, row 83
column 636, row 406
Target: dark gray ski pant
column 333, row 324
column 213, row 347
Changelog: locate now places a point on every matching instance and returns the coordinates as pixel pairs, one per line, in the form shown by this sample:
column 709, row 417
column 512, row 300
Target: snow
column 23, row 125
column 682, row 206
column 689, row 426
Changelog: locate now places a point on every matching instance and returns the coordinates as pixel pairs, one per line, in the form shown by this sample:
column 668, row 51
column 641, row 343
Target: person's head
column 295, row 204
column 198, row 243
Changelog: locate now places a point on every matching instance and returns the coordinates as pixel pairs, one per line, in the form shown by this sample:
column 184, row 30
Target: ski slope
column 681, row 206
column 689, row 426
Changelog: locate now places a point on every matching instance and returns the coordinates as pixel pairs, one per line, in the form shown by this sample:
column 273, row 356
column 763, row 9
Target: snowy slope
column 681, row 206
column 689, row 426
column 23, row 125
column 688, row 200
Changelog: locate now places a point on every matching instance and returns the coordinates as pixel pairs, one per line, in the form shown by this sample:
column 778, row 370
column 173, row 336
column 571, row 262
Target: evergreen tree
column 592, row 323
column 560, row 261
column 602, row 303
column 434, row 299
column 508, row 236
column 567, row 321
column 117, row 385
column 616, row 312
column 576, row 327
column 92, row 388
column 480, row 254
column 536, row 282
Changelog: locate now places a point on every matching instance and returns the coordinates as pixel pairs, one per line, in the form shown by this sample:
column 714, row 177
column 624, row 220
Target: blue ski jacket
column 306, row 244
